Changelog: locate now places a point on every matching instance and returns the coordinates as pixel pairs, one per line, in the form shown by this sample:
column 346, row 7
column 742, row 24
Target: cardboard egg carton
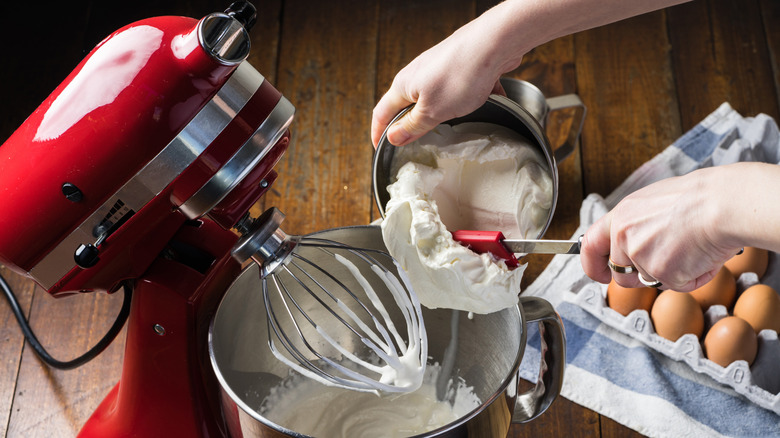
column 759, row 383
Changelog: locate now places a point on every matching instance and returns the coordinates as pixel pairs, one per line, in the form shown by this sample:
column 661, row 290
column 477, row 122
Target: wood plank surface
column 13, row 343
column 723, row 59
column 325, row 57
column 645, row 81
column 770, row 13
column 624, row 75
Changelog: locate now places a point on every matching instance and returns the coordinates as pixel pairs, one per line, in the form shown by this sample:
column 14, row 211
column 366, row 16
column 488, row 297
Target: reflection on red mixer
column 133, row 172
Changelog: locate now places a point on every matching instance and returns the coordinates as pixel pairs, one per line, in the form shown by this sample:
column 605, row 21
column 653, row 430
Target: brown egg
column 675, row 314
column 759, row 305
column 730, row 339
column 751, row 260
column 722, row 289
column 627, row 299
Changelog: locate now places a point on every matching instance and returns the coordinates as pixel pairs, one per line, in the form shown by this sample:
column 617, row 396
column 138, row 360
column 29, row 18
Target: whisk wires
column 389, row 363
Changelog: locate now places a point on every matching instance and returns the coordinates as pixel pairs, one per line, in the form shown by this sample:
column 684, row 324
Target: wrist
column 717, row 207
column 518, row 26
column 510, row 30
column 747, row 204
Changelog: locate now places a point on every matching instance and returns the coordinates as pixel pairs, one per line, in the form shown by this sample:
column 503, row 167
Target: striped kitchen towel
column 619, row 376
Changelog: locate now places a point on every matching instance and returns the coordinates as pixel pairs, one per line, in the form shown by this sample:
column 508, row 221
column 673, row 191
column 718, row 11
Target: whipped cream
column 399, row 364
column 475, row 176
column 304, row 406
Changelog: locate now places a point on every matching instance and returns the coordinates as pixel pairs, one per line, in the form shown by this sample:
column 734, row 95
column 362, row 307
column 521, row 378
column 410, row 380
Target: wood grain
column 721, row 55
column 770, row 12
column 624, row 74
column 325, row 61
column 12, row 344
column 53, row 402
column 558, row 421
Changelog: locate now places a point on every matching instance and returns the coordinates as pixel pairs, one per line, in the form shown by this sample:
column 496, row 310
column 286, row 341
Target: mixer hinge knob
column 244, row 12
column 86, row 256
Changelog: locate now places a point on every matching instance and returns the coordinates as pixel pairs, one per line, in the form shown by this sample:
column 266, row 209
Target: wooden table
column 645, row 82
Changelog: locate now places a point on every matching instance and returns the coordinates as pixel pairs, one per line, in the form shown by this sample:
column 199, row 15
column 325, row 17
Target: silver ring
column 621, row 269
column 649, row 283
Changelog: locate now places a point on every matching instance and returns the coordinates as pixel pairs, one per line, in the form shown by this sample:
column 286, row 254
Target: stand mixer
column 135, row 170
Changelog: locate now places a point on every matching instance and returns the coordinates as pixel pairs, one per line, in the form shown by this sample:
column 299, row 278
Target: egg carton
column 759, row 383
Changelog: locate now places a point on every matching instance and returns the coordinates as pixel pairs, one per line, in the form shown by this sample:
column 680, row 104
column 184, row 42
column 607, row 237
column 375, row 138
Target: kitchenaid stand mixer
column 134, row 171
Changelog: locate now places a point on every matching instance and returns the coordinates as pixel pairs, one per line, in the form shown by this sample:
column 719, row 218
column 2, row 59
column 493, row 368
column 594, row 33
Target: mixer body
column 135, row 169
column 167, row 387
column 157, row 125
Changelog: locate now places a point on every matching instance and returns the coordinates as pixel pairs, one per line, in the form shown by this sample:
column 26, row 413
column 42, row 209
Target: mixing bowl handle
column 562, row 102
column 534, row 402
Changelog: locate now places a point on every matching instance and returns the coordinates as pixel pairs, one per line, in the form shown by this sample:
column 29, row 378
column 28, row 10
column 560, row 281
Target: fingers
column 498, row 89
column 413, row 125
column 600, row 250
column 602, row 246
column 696, row 283
column 594, row 253
column 385, row 111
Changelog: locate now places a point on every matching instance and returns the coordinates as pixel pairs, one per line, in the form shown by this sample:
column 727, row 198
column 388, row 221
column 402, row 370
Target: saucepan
column 524, row 110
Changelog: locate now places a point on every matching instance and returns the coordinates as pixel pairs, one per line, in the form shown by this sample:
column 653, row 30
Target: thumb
column 413, row 125
column 595, row 250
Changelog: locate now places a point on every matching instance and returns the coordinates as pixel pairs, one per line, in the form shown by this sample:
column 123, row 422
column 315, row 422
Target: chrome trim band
column 242, row 162
column 168, row 164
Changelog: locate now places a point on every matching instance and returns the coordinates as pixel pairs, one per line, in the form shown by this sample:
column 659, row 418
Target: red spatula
column 505, row 249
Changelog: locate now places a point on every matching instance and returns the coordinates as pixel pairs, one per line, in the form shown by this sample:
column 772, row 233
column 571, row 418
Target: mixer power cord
column 124, row 312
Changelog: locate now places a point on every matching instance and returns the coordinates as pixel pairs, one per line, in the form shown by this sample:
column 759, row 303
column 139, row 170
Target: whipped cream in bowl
column 474, row 174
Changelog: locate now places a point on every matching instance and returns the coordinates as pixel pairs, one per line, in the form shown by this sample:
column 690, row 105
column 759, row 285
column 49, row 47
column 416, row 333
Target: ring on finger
column 649, row 283
column 621, row 269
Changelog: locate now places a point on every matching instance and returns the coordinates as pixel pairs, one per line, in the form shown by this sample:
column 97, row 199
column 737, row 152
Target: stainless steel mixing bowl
column 488, row 354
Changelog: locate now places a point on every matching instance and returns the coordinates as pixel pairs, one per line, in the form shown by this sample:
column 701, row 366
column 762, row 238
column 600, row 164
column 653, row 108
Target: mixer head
column 163, row 122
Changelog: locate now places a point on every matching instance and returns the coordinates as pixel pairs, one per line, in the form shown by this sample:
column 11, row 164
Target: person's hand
column 443, row 82
column 670, row 231
column 449, row 80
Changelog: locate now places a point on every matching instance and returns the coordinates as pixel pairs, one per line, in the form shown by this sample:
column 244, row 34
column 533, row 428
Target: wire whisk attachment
column 344, row 316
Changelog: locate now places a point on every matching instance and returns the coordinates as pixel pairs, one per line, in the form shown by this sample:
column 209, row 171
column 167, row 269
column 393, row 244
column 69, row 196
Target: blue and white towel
column 619, row 377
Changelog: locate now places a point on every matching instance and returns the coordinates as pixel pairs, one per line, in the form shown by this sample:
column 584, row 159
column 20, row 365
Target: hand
column 670, row 231
column 453, row 78
column 443, row 82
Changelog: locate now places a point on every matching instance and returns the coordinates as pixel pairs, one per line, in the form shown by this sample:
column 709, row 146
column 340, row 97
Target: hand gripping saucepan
column 344, row 336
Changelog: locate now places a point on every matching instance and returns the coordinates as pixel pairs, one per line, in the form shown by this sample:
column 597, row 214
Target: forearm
column 514, row 27
column 748, row 200
column 457, row 75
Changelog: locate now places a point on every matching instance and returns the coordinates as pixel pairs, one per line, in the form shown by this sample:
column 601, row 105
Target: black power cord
column 124, row 312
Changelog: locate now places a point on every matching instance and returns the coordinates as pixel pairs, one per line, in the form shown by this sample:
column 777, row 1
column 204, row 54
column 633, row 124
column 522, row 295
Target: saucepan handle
column 562, row 102
column 533, row 403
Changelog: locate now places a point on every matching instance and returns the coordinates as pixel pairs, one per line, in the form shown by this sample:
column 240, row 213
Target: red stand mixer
column 135, row 171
